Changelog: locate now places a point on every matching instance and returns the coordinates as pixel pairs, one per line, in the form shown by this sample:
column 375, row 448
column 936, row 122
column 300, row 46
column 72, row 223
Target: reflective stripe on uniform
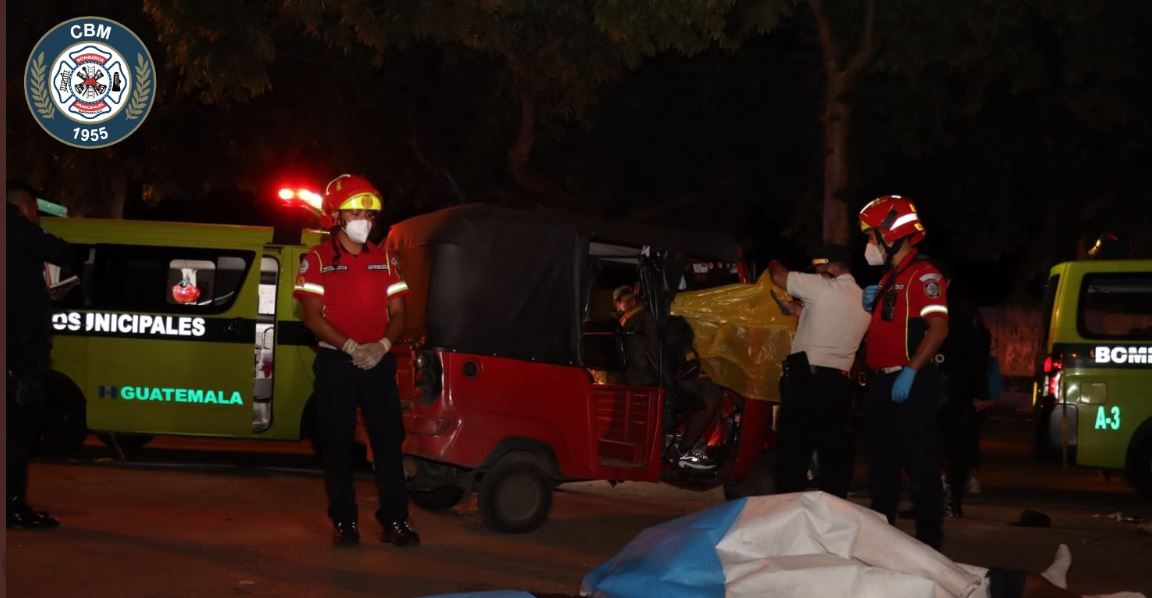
column 398, row 287
column 309, row 287
column 933, row 309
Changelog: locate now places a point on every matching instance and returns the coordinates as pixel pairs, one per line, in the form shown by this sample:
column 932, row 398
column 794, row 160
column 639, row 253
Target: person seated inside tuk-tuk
column 639, row 338
column 690, row 392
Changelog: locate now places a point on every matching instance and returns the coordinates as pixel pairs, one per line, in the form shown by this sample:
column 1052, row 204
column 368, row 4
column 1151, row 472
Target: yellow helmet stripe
column 362, row 201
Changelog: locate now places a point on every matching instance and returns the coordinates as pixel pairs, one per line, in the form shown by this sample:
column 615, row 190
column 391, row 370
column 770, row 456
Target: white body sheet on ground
column 788, row 545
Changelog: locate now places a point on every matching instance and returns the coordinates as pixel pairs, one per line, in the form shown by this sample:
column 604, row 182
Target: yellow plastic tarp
column 742, row 335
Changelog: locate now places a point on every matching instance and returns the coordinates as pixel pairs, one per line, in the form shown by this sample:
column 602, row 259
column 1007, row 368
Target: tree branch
column 827, row 39
column 868, row 46
column 522, row 150
column 418, row 152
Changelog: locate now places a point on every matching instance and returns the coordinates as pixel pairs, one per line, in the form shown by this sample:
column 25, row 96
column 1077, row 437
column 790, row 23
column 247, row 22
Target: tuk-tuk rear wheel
column 514, row 496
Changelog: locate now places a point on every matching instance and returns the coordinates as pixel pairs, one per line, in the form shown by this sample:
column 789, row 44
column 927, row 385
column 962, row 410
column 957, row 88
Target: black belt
column 816, row 369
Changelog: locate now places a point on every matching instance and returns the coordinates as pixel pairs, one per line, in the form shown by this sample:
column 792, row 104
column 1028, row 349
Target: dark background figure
column 816, row 385
column 965, row 371
column 638, row 327
column 694, row 397
column 29, row 344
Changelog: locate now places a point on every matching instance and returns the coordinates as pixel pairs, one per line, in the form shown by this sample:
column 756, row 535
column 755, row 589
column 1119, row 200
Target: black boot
column 20, row 515
column 345, row 533
column 399, row 533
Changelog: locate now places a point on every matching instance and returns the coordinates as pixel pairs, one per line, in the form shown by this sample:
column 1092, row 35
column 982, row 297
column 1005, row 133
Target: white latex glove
column 368, row 355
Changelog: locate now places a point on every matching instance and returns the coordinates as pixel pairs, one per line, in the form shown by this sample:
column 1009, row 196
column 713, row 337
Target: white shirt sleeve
column 803, row 285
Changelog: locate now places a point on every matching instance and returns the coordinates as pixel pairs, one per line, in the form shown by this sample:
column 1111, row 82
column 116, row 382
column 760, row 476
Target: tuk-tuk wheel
column 437, row 499
column 515, row 496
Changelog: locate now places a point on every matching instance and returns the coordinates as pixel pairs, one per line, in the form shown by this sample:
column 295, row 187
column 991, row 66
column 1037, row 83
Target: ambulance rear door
column 173, row 342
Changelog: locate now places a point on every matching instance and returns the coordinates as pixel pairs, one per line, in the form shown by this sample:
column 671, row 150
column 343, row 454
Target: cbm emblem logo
column 90, row 82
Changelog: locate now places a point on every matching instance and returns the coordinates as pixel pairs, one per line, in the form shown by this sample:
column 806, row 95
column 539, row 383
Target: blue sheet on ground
column 677, row 558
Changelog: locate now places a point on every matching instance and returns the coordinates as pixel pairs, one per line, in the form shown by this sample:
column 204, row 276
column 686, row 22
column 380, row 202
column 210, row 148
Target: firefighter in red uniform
column 351, row 297
column 909, row 323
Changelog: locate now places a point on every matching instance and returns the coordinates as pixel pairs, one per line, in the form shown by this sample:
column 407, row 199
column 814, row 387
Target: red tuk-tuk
column 503, row 389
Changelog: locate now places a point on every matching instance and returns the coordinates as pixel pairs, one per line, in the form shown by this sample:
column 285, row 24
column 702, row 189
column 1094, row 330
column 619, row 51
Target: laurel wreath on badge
column 39, row 93
column 140, row 94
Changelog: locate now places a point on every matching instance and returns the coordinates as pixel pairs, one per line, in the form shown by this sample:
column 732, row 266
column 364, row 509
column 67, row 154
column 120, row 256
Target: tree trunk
column 521, row 152
column 840, row 75
column 837, row 124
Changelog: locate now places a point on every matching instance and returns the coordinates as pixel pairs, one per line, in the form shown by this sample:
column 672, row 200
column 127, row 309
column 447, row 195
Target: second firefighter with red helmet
column 909, row 310
column 351, row 297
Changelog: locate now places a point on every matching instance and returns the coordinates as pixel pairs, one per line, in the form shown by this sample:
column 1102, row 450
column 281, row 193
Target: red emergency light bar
column 310, row 198
column 289, row 223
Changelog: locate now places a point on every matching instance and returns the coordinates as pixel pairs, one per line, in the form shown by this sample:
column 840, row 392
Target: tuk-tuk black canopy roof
column 515, row 283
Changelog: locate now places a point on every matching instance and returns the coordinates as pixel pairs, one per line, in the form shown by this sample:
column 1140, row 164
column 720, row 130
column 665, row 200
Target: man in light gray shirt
column 815, row 389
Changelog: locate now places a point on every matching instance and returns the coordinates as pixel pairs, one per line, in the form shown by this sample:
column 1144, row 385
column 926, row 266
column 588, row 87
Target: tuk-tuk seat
column 603, row 350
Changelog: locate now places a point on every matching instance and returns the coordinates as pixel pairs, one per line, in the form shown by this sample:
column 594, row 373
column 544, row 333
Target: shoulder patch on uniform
column 932, row 288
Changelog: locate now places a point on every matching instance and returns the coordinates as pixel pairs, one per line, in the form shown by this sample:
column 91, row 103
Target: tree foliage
column 1020, row 128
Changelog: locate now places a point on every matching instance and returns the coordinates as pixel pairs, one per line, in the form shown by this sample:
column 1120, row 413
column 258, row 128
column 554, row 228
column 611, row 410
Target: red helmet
column 894, row 217
column 351, row 192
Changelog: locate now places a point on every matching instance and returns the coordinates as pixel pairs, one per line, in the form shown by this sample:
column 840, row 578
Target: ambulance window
column 269, row 269
column 1116, row 305
column 173, row 279
column 190, row 282
column 229, row 278
column 216, row 282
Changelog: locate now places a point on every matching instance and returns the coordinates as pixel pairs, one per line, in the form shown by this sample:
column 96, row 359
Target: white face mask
column 873, row 255
column 357, row 230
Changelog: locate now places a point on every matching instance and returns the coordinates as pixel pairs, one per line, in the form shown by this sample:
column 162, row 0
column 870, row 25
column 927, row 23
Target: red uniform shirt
column 899, row 320
column 355, row 288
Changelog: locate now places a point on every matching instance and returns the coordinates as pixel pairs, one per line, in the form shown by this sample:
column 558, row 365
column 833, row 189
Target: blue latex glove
column 903, row 384
column 870, row 293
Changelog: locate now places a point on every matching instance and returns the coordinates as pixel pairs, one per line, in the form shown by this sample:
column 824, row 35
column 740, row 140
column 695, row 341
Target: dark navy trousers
column 341, row 389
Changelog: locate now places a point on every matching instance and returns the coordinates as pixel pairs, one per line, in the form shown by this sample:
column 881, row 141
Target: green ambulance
column 178, row 328
column 1094, row 375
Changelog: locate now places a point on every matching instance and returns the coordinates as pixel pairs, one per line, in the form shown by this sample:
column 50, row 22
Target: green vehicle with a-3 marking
column 1093, row 394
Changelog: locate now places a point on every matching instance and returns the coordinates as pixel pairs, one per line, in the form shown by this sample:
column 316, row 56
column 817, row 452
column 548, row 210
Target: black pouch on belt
column 796, row 367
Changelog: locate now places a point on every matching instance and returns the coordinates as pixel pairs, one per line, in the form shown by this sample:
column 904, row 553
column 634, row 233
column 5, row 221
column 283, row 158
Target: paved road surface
column 190, row 519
